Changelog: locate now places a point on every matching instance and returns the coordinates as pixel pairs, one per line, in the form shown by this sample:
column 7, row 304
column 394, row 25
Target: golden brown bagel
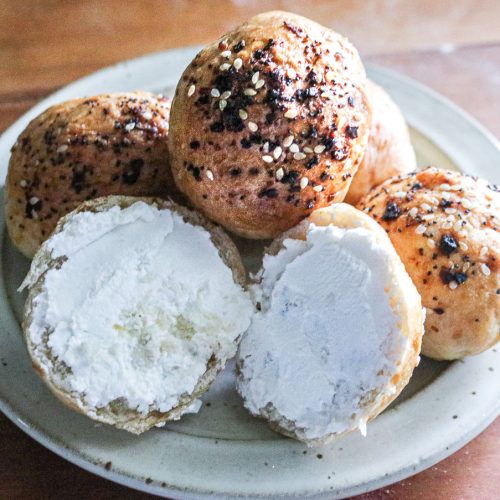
column 269, row 123
column 389, row 151
column 82, row 149
column 444, row 226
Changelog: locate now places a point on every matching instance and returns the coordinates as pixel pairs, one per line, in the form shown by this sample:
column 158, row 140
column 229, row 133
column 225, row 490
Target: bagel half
column 339, row 329
column 134, row 305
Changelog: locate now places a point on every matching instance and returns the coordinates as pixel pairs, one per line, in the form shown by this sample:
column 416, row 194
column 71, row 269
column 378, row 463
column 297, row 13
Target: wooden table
column 450, row 45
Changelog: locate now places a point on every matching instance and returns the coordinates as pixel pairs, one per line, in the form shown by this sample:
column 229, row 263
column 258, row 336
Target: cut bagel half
column 339, row 329
column 134, row 305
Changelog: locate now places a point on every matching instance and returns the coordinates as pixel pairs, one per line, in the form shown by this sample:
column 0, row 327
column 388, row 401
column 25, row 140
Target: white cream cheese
column 326, row 339
column 138, row 307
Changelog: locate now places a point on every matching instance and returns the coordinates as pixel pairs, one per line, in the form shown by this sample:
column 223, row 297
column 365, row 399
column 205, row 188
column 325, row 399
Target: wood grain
column 452, row 46
column 55, row 42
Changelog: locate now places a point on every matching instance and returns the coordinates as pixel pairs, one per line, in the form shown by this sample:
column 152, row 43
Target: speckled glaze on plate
column 222, row 452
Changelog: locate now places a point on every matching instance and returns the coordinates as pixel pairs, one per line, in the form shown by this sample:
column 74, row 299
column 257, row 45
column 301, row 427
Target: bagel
column 134, row 306
column 109, row 144
column 389, row 151
column 444, row 226
column 339, row 329
column 269, row 123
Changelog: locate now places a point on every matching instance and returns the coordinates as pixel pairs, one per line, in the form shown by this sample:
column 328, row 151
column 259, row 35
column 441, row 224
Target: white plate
column 222, row 451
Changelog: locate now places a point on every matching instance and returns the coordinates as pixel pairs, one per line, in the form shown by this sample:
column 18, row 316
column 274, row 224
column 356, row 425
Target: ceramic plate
column 222, row 451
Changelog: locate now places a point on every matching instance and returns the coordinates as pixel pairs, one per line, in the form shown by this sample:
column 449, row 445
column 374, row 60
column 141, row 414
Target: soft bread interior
column 131, row 308
column 339, row 330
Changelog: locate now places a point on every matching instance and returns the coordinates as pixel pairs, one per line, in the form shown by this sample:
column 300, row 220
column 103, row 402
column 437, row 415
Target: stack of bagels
column 138, row 296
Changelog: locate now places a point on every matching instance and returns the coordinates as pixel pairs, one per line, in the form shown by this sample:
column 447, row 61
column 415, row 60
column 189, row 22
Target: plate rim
column 80, row 459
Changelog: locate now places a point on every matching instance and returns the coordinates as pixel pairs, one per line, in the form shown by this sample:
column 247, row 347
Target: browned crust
column 82, row 149
column 465, row 319
column 218, row 161
column 389, row 151
column 119, row 414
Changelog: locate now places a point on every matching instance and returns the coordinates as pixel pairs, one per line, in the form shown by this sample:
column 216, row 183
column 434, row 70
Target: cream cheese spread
column 326, row 341
column 140, row 303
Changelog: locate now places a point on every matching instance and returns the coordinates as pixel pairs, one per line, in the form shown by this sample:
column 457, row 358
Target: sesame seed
column 62, row 148
column 327, row 95
column 23, row 183
column 446, row 196
column 485, row 270
column 243, row 114
column 255, row 77
column 249, row 92
column 277, row 152
column 265, row 147
column 318, row 189
column 445, row 187
column 215, row 93
column 431, row 243
column 463, row 246
column 483, row 251
column 413, row 212
column 238, row 63
column 291, row 73
column 456, row 187
column 430, row 199
column 222, row 104
column 267, row 158
column 428, row 217
column 466, row 267
column 210, row 175
column 130, row 126
column 447, row 225
column 34, row 214
column 319, row 149
column 458, row 226
column 420, row 229
column 225, row 94
column 259, row 84
column 466, row 203
column 147, row 115
column 450, row 210
column 294, row 148
column 280, row 174
column 348, row 164
column 253, row 126
column 426, row 206
column 226, row 54
column 299, row 156
column 288, row 141
column 191, row 90
column 307, row 149
column 400, row 194
column 453, row 284
column 304, row 182
column 34, row 200
column 291, row 114
column 224, row 66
